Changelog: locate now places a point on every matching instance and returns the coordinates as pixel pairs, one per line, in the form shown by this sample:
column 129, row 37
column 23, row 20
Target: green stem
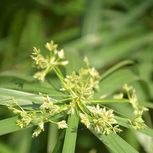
column 62, row 100
column 107, row 101
column 59, row 74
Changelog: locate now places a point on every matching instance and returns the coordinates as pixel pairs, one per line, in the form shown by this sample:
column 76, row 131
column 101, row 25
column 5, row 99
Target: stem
column 52, row 122
column 62, row 100
column 80, row 107
column 59, row 74
column 106, row 101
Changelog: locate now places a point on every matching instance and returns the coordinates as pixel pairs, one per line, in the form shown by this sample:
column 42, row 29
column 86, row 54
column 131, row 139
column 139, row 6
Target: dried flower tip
column 51, row 46
column 47, row 99
column 116, row 129
column 86, row 62
column 144, row 108
column 64, row 63
column 133, row 99
column 61, row 54
column 14, row 101
column 36, row 132
column 40, row 75
column 107, row 130
column 127, row 88
column 23, row 113
column 20, row 124
column 93, row 72
column 118, row 96
column 41, row 125
column 85, row 120
column 46, row 105
column 36, row 51
column 62, row 124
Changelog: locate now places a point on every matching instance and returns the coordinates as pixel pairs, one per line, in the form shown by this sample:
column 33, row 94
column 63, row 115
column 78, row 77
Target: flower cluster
column 81, row 85
column 101, row 120
column 37, row 117
column 138, row 122
column 55, row 58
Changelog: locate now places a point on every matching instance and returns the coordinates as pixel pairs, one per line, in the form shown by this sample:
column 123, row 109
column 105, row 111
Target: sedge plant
column 79, row 104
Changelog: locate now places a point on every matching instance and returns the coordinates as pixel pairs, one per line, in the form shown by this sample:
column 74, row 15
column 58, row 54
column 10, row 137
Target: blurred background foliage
column 106, row 31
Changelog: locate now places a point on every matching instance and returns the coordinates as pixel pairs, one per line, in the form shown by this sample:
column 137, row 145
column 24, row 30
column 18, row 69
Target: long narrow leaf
column 115, row 143
column 9, row 125
column 115, row 67
column 71, row 134
column 115, row 81
column 32, row 88
column 24, row 98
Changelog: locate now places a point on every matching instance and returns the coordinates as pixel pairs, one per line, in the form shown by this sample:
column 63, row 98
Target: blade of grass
column 9, row 125
column 109, row 53
column 92, row 17
column 4, row 148
column 71, row 134
column 59, row 144
column 24, row 97
column 52, row 137
column 15, row 74
column 114, row 68
column 115, row 81
column 31, row 88
column 147, row 104
column 115, row 143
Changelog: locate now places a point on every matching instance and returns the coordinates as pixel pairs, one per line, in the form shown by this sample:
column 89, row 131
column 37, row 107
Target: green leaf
column 9, row 125
column 93, row 13
column 59, row 144
column 114, row 68
column 147, row 104
column 4, row 148
column 31, row 88
column 23, row 98
column 115, row 143
column 115, row 81
column 15, row 74
column 52, row 137
column 71, row 134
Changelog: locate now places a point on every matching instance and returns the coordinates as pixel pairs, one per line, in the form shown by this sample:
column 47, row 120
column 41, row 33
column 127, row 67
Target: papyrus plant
column 79, row 88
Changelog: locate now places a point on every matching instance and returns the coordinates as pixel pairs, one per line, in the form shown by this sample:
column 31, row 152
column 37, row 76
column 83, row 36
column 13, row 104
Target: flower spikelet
column 48, row 63
column 101, row 120
column 138, row 122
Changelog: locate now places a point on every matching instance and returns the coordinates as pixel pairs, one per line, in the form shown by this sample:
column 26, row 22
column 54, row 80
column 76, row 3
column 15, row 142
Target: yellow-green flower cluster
column 37, row 117
column 138, row 122
column 81, row 86
column 55, row 58
column 101, row 120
